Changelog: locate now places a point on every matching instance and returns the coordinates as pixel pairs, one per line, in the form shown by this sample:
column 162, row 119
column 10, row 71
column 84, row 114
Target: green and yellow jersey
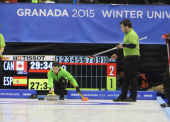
column 62, row 73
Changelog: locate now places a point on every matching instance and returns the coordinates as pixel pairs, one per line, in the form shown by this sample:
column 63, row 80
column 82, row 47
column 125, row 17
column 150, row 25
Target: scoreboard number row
column 81, row 59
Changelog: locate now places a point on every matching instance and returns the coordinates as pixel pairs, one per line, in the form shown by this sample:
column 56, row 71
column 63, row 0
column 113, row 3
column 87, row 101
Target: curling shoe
column 163, row 105
column 61, row 98
column 129, row 100
column 118, row 100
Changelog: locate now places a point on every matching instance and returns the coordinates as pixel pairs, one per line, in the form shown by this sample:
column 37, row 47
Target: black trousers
column 62, row 85
column 130, row 69
column 166, row 84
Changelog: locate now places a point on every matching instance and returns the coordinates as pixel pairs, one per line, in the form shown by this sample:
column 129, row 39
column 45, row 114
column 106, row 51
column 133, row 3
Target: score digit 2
column 111, row 70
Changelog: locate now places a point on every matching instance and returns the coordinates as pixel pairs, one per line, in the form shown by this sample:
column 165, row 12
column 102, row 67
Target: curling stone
column 51, row 97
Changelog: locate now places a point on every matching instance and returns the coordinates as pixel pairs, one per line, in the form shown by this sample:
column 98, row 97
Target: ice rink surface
column 33, row 110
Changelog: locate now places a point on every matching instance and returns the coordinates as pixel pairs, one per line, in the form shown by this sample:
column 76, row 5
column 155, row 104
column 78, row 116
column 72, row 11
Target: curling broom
column 92, row 56
column 83, row 98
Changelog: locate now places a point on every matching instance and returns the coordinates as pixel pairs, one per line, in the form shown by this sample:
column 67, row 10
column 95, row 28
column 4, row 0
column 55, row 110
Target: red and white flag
column 20, row 65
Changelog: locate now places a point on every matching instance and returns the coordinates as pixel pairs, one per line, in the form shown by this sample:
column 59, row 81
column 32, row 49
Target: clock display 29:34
column 41, row 65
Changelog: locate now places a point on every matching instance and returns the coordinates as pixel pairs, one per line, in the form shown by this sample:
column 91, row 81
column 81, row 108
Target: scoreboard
column 27, row 71
column 30, row 71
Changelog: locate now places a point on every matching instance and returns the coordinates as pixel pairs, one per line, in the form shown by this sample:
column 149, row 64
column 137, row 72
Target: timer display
column 41, row 65
column 38, row 84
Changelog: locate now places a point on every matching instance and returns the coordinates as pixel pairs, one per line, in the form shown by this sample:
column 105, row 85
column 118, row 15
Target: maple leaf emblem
column 20, row 65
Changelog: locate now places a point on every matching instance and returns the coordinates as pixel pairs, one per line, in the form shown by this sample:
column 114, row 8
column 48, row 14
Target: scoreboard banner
column 30, row 71
column 81, row 23
column 141, row 95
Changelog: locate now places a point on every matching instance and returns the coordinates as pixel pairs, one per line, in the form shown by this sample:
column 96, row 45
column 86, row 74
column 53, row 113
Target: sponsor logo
column 75, row 95
column 113, row 95
column 30, row 58
column 91, row 94
column 27, row 94
column 102, row 95
column 148, row 95
column 22, row 72
column 17, row 57
column 10, row 94
column 138, row 95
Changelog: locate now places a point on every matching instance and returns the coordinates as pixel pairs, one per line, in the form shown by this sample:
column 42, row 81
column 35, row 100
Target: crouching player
column 58, row 79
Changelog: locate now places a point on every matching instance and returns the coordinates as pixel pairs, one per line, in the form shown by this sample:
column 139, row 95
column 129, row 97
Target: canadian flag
column 20, row 65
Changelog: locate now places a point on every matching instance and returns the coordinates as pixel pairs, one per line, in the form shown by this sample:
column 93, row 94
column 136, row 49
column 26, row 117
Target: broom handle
column 105, row 51
column 75, row 87
column 81, row 94
column 115, row 48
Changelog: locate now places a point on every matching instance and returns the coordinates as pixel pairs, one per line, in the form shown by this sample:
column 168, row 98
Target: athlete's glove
column 159, row 89
column 78, row 89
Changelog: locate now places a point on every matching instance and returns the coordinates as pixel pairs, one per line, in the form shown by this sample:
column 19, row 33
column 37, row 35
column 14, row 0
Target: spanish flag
column 19, row 80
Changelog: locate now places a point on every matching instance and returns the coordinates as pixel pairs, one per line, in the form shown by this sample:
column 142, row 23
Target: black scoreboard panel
column 30, row 72
column 87, row 75
column 26, row 72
